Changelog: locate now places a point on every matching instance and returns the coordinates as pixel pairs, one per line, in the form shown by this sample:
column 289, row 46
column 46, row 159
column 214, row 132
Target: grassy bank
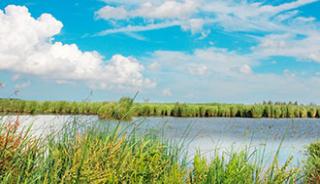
column 125, row 109
column 119, row 157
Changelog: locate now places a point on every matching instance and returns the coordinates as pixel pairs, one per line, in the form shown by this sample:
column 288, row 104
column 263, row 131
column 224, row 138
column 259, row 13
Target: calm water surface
column 206, row 134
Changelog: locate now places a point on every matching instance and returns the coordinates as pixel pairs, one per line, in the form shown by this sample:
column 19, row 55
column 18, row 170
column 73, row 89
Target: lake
column 204, row 134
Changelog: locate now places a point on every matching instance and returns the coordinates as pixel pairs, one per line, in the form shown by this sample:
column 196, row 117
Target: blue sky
column 169, row 50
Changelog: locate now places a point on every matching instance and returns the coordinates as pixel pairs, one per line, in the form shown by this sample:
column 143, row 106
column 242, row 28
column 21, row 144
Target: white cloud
column 27, row 46
column 246, row 69
column 196, row 69
column 136, row 36
column 209, row 62
column 195, row 25
column 162, row 10
column 109, row 12
column 229, row 75
column 167, row 92
column 156, row 15
column 229, row 78
column 306, row 48
column 155, row 66
column 195, row 15
column 130, row 28
column 287, row 6
column 254, row 16
column 282, row 23
column 63, row 82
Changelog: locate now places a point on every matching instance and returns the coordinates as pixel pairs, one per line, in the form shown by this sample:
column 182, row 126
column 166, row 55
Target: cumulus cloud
column 27, row 46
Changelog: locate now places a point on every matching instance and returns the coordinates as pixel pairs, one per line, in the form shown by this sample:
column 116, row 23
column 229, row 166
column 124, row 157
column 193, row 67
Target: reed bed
column 125, row 109
column 312, row 165
column 118, row 156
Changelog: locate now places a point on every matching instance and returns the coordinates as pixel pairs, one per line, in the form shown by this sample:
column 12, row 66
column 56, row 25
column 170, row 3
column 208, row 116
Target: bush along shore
column 115, row 156
column 115, row 110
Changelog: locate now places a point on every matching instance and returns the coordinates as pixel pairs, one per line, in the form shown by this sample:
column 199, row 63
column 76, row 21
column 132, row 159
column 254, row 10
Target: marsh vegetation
column 125, row 109
column 115, row 156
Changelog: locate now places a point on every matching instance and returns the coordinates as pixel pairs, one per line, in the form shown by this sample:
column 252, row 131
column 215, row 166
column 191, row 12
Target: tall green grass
column 87, row 157
column 125, row 109
column 312, row 165
column 120, row 156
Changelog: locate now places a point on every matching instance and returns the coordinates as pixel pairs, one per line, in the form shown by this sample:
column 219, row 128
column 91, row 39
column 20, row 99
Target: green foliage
column 122, row 110
column 91, row 157
column 277, row 113
column 291, row 111
column 19, row 153
column 211, row 111
column 257, row 111
column 312, row 165
column 312, row 112
column 178, row 110
column 113, row 156
column 200, row 170
column 125, row 109
column 106, row 111
column 238, row 168
column 303, row 112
